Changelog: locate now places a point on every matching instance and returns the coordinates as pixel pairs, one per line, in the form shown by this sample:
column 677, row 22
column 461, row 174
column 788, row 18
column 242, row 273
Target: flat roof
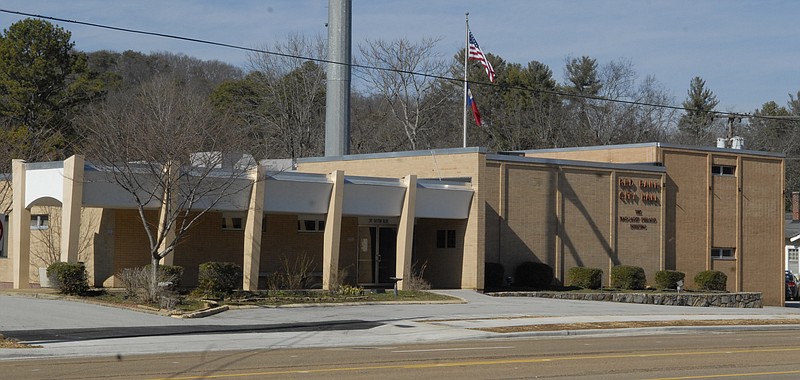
column 577, row 163
column 657, row 145
column 408, row 153
column 499, row 156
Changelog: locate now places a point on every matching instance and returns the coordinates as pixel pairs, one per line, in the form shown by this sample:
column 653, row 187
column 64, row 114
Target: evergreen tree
column 43, row 85
column 582, row 77
column 695, row 126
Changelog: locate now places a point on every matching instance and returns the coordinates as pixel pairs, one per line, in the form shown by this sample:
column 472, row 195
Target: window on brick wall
column 723, row 170
column 723, row 253
column 310, row 224
column 40, row 221
column 232, row 223
column 446, row 239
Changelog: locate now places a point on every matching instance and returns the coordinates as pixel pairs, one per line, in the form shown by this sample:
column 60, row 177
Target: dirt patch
column 11, row 343
column 635, row 324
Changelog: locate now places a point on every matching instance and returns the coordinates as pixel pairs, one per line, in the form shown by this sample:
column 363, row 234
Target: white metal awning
column 284, row 192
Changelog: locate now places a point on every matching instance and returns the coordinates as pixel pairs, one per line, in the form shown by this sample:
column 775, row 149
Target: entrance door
column 377, row 254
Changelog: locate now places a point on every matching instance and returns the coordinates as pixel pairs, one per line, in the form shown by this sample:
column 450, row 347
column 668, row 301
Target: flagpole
column 466, row 57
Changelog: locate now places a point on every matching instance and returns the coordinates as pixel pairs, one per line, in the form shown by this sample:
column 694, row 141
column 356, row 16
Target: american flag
column 476, row 54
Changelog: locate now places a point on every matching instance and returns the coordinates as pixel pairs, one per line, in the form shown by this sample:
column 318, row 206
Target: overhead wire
column 716, row 114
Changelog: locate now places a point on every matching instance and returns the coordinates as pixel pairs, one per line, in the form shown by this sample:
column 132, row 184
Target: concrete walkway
column 69, row 328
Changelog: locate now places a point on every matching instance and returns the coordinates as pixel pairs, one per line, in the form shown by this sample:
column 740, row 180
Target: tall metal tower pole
column 466, row 83
column 337, row 100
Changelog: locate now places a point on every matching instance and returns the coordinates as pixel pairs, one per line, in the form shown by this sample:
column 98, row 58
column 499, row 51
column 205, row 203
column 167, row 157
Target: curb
column 46, row 296
column 639, row 331
column 203, row 313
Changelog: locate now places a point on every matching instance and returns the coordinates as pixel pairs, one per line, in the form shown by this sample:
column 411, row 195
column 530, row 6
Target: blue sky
column 745, row 50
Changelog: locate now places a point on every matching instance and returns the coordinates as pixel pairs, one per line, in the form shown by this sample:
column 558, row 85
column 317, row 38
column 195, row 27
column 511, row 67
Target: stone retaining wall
column 743, row 300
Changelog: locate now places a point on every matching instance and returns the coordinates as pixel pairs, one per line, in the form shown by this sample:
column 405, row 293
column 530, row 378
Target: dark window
column 40, row 221
column 232, row 223
column 446, row 239
column 311, row 225
column 723, row 170
column 722, row 253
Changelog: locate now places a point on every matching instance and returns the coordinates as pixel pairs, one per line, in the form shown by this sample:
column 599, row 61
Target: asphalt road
column 65, row 329
column 754, row 355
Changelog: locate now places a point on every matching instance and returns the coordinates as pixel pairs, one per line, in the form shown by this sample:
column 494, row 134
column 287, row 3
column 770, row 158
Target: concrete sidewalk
column 67, row 328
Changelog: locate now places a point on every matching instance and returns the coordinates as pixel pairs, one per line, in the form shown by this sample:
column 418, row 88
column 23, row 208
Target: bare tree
column 47, row 241
column 368, row 130
column 617, row 122
column 148, row 142
column 414, row 100
column 283, row 99
column 596, row 118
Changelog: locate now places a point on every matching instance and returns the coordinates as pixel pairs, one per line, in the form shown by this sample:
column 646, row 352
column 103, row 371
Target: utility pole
column 337, row 97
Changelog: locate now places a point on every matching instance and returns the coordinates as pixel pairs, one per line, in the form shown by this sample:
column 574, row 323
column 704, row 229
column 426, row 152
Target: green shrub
column 217, row 279
column 70, row 278
column 628, row 277
column 535, row 275
column 493, row 275
column 587, row 278
column 668, row 279
column 711, row 280
column 349, row 290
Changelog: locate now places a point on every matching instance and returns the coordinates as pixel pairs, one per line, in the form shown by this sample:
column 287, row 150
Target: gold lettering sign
column 626, row 182
column 650, row 197
column 648, row 190
column 650, row 184
column 627, row 195
column 638, row 222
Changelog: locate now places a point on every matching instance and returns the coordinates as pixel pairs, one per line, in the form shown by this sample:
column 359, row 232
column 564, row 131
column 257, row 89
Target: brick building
column 372, row 217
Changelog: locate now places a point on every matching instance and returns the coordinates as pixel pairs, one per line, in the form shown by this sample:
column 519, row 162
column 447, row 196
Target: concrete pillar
column 19, row 244
column 71, row 209
column 405, row 231
column 168, row 205
column 333, row 232
column 252, row 231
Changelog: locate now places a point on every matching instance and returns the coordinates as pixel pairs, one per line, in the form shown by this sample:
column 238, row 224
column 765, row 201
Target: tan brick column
column 71, row 208
column 405, row 231
column 19, row 244
column 333, row 231
column 252, row 232
column 168, row 205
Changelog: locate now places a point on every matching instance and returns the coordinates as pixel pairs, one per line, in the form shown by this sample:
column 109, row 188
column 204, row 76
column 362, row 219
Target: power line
column 366, row 67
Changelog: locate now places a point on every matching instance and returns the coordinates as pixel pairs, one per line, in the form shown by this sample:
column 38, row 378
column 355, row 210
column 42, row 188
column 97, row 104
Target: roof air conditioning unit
column 737, row 142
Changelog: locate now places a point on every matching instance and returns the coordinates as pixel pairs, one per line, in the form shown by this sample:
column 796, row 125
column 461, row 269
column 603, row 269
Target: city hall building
column 372, row 218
